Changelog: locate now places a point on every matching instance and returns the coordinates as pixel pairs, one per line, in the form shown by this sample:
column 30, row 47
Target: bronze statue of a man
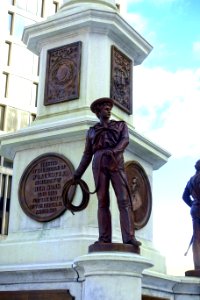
column 191, row 196
column 105, row 143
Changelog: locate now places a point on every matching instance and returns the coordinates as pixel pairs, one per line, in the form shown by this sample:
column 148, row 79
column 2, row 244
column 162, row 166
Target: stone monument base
column 102, row 247
column 111, row 275
column 193, row 273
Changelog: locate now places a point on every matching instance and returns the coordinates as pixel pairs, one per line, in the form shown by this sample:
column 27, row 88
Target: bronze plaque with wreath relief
column 63, row 74
column 121, row 80
column 140, row 192
column 41, row 187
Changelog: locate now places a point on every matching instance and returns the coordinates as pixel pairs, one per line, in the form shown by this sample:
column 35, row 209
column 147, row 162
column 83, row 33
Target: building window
column 10, row 23
column 32, row 118
column 118, row 6
column 38, row 66
column 35, row 93
column 42, row 9
column 5, row 84
column 21, row 3
column 55, row 5
column 2, row 116
column 35, row 70
column 6, row 163
column 11, row 2
column 53, row 8
column 32, row 6
column 7, row 53
column 19, row 23
column 5, row 192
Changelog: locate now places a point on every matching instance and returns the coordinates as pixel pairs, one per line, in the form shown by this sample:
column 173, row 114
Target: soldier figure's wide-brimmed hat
column 95, row 104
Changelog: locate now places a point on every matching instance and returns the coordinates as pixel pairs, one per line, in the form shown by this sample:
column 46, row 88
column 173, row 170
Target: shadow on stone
column 193, row 273
column 102, row 247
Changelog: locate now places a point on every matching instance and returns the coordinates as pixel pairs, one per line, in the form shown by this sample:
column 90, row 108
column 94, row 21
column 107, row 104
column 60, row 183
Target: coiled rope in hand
column 85, row 190
column 68, row 200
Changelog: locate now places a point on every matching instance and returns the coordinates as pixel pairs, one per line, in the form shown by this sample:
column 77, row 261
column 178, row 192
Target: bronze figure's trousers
column 195, row 213
column 102, row 178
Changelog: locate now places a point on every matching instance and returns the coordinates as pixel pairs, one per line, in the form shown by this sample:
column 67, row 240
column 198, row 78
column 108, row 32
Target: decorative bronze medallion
column 63, row 74
column 140, row 191
column 121, row 80
column 41, row 187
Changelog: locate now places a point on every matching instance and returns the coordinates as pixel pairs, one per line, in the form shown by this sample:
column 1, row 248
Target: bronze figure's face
column 104, row 111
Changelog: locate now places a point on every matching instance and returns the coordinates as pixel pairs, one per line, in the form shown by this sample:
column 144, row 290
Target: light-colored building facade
column 19, row 71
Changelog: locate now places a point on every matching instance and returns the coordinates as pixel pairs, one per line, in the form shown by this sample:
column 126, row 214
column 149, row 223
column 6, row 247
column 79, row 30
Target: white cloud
column 160, row 2
column 167, row 108
column 138, row 22
column 133, row 1
column 196, row 48
column 155, row 2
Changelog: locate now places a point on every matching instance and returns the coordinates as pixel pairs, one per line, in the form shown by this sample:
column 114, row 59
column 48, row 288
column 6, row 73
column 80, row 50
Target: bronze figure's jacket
column 99, row 138
column 193, row 189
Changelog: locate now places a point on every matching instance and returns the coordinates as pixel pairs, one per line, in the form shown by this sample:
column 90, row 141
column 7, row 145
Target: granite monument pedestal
column 112, row 275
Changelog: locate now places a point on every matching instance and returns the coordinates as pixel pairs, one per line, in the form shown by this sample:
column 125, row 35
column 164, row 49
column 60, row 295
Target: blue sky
column 172, row 28
column 166, row 92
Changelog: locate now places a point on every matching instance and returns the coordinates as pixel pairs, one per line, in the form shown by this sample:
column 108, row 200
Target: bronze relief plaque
column 63, row 74
column 140, row 191
column 41, row 187
column 121, row 80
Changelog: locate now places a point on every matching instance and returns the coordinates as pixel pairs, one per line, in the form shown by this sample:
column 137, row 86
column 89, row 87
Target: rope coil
column 85, row 198
column 85, row 190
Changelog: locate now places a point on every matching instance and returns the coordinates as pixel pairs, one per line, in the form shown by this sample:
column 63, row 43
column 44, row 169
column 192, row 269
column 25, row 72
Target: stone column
column 111, row 276
column 109, row 3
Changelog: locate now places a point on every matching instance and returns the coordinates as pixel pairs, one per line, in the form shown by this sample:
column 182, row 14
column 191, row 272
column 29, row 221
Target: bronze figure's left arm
column 186, row 195
column 123, row 141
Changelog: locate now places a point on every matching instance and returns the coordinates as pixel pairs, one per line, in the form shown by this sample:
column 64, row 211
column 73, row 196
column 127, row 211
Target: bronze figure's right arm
column 86, row 158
